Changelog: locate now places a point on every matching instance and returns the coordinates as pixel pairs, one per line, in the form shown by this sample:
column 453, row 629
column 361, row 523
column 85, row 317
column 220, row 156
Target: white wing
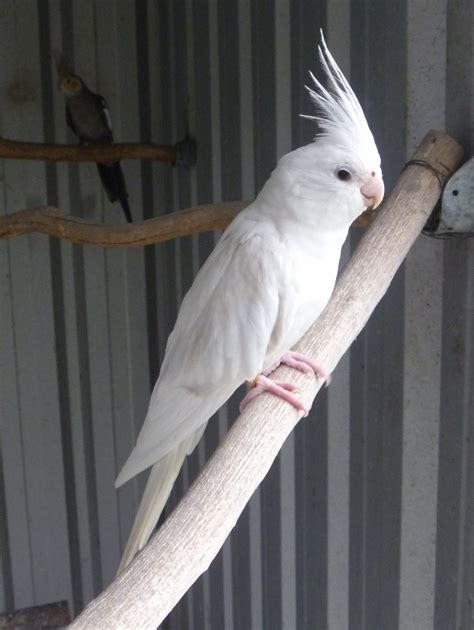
column 106, row 112
column 221, row 337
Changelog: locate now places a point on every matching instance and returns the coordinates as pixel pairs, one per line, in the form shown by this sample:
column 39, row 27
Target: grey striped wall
column 366, row 519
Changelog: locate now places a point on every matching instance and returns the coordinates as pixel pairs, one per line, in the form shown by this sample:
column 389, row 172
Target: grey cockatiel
column 266, row 282
column 88, row 117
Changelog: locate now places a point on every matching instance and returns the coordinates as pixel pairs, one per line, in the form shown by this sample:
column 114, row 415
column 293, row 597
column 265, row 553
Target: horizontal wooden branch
column 190, row 538
column 14, row 150
column 46, row 616
column 50, row 220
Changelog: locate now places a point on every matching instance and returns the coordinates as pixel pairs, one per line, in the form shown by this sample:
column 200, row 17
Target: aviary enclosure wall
column 366, row 519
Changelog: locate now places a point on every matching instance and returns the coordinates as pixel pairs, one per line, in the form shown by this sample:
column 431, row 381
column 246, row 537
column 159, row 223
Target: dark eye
column 344, row 175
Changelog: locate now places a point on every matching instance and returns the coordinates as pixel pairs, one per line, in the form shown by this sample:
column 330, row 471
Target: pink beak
column 373, row 189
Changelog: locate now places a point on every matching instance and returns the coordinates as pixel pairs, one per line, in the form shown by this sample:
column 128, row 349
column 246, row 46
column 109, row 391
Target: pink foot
column 302, row 363
column 279, row 388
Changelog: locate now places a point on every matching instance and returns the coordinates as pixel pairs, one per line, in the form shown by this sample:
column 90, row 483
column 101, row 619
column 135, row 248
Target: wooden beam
column 14, row 150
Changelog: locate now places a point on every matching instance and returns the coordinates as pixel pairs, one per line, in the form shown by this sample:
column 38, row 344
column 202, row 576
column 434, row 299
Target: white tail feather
column 157, row 490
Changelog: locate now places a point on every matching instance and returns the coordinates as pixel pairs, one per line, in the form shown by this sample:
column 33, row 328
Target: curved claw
column 282, row 389
column 302, row 363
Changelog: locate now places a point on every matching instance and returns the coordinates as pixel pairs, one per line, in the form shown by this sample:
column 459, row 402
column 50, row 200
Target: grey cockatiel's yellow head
column 68, row 82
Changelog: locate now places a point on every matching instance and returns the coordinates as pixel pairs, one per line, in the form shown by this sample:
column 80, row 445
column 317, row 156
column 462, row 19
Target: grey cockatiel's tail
column 88, row 117
column 268, row 279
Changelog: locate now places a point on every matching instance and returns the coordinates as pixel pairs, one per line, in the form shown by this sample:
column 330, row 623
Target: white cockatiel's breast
column 257, row 294
column 311, row 274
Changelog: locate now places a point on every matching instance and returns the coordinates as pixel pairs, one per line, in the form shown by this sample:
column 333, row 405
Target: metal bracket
column 185, row 152
column 455, row 217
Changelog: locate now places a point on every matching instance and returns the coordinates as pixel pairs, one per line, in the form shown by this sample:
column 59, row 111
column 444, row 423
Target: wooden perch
column 50, row 220
column 14, row 150
column 186, row 544
column 47, row 616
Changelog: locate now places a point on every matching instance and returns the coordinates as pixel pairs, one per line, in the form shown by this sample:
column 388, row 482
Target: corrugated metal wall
column 366, row 519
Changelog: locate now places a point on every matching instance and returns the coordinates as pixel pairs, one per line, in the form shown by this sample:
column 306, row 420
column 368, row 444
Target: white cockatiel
column 268, row 279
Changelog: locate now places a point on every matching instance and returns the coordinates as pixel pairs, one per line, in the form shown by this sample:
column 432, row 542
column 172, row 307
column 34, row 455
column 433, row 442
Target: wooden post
column 186, row 544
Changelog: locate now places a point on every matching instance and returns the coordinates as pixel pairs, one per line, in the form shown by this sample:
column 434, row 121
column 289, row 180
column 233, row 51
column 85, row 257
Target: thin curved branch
column 50, row 220
column 14, row 150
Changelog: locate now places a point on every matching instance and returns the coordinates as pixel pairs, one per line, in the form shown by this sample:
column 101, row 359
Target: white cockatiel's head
column 343, row 162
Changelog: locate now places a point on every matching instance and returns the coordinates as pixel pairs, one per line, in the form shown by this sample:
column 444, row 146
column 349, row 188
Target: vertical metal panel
column 283, row 117
column 247, row 160
column 70, row 306
column 339, row 40
column 366, row 519
column 38, row 469
column 161, row 72
column 46, row 31
column 209, row 85
column 377, row 355
column 16, row 563
column 264, row 111
column 453, row 591
column 426, row 51
column 311, row 435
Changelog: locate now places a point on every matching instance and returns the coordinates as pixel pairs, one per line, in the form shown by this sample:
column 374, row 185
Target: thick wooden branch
column 188, row 541
column 14, row 150
column 50, row 220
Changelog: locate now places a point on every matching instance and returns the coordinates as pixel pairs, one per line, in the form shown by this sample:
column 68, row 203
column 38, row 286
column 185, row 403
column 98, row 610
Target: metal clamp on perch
column 185, row 152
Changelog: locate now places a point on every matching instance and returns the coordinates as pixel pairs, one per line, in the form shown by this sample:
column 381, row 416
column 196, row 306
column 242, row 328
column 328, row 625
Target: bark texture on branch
column 185, row 545
column 46, row 616
column 14, row 150
column 50, row 220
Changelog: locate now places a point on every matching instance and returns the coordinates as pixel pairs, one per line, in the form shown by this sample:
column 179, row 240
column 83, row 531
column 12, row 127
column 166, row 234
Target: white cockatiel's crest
column 339, row 114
